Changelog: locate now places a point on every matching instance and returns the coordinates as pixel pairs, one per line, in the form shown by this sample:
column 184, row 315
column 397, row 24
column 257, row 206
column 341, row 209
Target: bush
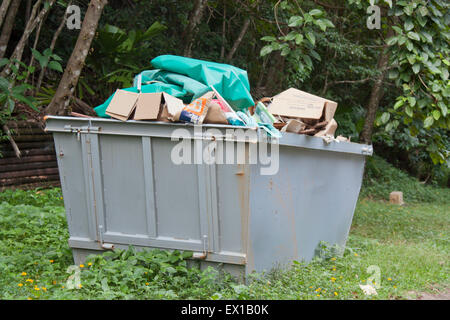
column 381, row 178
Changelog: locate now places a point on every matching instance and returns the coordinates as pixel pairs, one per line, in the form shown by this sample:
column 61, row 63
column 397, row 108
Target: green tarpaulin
column 188, row 79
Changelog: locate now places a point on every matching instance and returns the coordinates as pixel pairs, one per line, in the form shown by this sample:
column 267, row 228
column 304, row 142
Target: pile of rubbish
column 194, row 91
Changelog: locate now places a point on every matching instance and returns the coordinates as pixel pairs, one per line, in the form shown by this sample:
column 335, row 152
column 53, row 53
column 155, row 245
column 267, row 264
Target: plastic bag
column 195, row 112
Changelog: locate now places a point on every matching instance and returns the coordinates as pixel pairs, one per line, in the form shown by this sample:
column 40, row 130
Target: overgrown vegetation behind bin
column 325, row 48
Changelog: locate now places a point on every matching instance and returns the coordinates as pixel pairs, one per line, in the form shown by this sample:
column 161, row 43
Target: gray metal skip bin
column 121, row 188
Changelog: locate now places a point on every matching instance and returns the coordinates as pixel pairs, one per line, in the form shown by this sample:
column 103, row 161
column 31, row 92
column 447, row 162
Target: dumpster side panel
column 233, row 200
column 176, row 193
column 70, row 163
column 123, row 184
column 311, row 199
column 148, row 199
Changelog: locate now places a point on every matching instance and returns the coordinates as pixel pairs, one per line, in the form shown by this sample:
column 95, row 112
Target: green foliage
column 408, row 244
column 411, row 152
column 300, row 42
column 146, row 274
column 344, row 59
column 37, row 198
column 48, row 59
column 120, row 55
column 419, row 53
column 45, row 96
column 33, row 240
column 10, row 92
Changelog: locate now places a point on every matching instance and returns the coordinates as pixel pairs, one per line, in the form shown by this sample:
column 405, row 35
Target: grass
column 401, row 249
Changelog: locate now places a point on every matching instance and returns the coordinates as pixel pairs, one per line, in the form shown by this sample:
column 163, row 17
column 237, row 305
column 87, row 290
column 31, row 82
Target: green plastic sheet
column 188, row 79
column 231, row 82
column 191, row 88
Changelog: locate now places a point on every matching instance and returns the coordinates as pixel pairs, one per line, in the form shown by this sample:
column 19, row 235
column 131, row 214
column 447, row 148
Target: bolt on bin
column 122, row 186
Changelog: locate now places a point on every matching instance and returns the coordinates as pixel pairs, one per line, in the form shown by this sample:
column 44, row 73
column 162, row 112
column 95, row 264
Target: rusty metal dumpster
column 121, row 188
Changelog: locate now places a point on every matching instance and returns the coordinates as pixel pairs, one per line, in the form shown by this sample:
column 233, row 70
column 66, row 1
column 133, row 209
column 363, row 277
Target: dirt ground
column 443, row 294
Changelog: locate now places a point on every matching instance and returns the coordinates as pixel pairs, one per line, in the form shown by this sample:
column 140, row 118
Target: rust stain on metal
column 244, row 206
column 286, row 204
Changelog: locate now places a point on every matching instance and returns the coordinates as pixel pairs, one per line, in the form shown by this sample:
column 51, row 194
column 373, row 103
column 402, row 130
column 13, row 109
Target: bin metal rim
column 165, row 129
column 220, row 257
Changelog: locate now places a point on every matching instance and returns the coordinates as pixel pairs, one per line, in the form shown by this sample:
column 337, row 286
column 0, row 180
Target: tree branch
column 3, row 9
column 11, row 140
column 239, row 39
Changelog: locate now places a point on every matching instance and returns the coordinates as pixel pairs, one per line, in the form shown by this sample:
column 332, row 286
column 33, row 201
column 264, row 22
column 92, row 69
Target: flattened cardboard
column 122, row 104
column 147, row 106
column 300, row 104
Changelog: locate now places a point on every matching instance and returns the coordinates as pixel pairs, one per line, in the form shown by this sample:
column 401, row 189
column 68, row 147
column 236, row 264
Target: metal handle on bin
column 107, row 246
column 202, row 255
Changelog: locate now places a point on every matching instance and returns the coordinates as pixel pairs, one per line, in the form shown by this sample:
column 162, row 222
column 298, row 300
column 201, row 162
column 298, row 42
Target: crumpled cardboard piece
column 342, row 139
column 330, row 129
column 170, row 108
column 299, row 104
column 215, row 114
column 293, row 125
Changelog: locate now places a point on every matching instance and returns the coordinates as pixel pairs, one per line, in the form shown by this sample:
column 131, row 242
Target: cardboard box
column 122, row 105
column 293, row 125
column 299, row 104
column 330, row 129
column 143, row 106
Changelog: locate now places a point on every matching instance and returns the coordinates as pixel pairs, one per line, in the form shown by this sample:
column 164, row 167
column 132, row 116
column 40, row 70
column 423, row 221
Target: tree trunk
column 11, row 140
column 3, row 9
column 194, row 20
column 28, row 11
column 239, row 39
column 375, row 94
column 262, row 72
column 61, row 100
column 275, row 69
column 8, row 26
